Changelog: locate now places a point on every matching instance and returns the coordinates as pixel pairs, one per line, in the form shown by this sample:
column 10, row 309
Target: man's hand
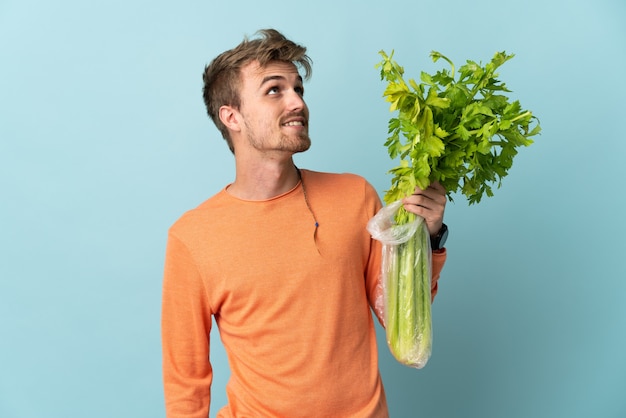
column 429, row 204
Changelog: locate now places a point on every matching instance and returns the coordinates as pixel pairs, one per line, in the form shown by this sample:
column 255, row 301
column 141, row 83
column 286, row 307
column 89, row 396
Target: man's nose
column 295, row 101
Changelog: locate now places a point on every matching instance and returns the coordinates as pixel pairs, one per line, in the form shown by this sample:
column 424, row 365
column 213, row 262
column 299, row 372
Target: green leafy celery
column 461, row 130
column 455, row 128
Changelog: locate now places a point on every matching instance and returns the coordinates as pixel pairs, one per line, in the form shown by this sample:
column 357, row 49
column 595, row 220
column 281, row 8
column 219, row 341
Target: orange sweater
column 292, row 305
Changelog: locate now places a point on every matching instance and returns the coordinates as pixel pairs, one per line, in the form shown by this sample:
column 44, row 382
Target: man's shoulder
column 341, row 193
column 202, row 213
column 334, row 178
column 343, row 183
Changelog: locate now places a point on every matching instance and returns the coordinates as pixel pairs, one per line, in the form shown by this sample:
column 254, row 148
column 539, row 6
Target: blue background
column 104, row 142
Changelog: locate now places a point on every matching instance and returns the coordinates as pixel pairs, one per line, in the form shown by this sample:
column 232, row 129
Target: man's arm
column 185, row 328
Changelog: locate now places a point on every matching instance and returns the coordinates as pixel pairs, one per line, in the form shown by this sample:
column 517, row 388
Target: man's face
column 276, row 118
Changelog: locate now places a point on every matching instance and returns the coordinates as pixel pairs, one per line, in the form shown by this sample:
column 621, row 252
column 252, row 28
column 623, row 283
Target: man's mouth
column 295, row 119
column 294, row 123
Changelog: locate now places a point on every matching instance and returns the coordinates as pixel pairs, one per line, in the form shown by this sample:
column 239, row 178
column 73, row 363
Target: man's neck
column 263, row 180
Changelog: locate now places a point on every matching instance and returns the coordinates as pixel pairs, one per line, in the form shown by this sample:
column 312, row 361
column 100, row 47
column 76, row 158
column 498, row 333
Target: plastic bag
column 406, row 285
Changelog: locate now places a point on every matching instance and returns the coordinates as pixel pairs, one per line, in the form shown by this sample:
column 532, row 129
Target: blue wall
column 104, row 142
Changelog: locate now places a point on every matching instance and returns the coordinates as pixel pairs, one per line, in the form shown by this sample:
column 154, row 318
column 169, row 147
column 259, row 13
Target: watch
column 438, row 241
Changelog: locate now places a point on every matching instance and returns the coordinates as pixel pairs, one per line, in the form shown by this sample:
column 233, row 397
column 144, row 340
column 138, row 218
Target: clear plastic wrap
column 406, row 285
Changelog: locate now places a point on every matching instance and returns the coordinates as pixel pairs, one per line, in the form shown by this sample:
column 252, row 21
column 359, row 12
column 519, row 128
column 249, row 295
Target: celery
column 408, row 308
column 455, row 128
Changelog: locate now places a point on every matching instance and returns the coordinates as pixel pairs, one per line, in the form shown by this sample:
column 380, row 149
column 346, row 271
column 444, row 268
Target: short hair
column 222, row 77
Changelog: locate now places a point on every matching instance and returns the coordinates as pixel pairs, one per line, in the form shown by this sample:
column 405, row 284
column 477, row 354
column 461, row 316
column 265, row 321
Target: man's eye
column 300, row 91
column 273, row 90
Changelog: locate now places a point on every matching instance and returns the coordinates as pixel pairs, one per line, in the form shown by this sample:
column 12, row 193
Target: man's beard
column 302, row 144
column 292, row 143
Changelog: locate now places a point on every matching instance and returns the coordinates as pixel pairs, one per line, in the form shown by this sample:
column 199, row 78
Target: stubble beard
column 302, row 143
column 291, row 143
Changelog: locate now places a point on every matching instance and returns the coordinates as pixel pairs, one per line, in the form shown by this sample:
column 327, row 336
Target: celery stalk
column 424, row 297
column 391, row 295
column 409, row 323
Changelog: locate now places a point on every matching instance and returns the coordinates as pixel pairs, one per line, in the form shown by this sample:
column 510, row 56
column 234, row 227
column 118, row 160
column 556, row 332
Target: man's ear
column 230, row 118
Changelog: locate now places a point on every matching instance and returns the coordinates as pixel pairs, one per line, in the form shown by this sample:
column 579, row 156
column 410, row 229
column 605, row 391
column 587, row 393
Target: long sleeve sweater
column 292, row 302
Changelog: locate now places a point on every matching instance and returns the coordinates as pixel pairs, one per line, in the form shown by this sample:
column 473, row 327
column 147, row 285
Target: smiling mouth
column 294, row 123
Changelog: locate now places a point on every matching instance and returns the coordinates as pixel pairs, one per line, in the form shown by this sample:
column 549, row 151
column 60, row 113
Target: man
column 281, row 258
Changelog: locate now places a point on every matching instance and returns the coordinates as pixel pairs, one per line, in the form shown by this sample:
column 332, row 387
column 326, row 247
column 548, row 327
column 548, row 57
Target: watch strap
column 438, row 241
